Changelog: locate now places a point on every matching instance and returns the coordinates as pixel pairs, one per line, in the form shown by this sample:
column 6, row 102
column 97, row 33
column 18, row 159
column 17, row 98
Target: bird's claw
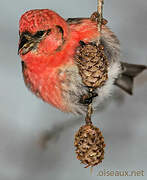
column 87, row 98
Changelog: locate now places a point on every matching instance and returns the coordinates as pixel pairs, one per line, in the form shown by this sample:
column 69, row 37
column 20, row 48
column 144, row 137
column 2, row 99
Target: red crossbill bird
column 48, row 47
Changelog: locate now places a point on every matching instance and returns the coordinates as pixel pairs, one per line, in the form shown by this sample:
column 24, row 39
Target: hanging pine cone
column 92, row 64
column 89, row 144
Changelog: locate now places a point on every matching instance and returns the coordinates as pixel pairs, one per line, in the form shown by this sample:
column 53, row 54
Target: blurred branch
column 55, row 132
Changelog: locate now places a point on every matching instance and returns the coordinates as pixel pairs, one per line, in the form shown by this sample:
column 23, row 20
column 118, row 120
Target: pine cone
column 89, row 144
column 92, row 64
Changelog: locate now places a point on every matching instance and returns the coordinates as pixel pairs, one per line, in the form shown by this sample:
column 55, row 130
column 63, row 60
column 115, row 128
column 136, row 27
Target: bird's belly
column 61, row 88
column 65, row 88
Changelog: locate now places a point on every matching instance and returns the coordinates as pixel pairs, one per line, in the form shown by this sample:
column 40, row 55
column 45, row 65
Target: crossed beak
column 25, row 46
column 29, row 42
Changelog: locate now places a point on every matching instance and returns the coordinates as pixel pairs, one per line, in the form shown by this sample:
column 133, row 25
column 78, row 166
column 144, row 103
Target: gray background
column 24, row 118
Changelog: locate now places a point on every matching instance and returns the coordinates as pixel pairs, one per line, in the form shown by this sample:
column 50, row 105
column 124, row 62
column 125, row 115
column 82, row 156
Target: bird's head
column 41, row 31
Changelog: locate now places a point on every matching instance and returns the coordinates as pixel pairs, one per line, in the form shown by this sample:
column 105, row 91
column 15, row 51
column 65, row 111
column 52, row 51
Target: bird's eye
column 39, row 34
column 48, row 31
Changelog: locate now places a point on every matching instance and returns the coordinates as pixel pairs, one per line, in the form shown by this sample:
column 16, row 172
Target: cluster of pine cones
column 93, row 68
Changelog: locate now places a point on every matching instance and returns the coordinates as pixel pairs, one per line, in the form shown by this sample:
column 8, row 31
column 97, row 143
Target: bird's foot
column 87, row 98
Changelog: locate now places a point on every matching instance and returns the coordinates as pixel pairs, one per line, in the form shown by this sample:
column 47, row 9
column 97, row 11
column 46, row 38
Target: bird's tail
column 126, row 79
